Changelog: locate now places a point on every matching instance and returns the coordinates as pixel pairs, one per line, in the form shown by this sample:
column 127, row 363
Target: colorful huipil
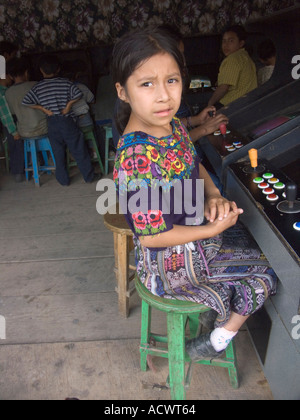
column 227, row 272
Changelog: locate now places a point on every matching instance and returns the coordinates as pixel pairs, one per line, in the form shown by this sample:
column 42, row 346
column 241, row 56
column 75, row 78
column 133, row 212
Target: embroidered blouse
column 150, row 175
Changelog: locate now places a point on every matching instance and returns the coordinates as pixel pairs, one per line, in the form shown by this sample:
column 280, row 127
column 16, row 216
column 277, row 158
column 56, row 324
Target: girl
column 206, row 263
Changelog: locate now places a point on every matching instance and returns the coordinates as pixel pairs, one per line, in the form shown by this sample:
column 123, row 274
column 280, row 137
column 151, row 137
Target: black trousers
column 63, row 132
column 16, row 153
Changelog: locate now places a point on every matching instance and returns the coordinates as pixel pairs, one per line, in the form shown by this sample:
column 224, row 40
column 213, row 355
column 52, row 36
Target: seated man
column 267, row 54
column 237, row 74
column 30, row 122
column 55, row 96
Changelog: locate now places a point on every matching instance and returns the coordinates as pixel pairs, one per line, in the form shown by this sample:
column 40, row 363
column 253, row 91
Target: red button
column 272, row 197
column 268, row 191
column 263, row 185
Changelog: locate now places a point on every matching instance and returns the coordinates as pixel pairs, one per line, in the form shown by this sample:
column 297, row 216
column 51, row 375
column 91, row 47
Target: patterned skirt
column 226, row 273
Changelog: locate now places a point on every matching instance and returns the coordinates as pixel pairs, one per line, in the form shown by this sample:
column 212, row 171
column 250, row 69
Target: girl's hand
column 218, row 207
column 213, row 124
column 220, row 225
column 204, row 115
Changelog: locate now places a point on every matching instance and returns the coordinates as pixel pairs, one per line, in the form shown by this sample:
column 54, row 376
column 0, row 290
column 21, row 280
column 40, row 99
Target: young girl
column 206, row 263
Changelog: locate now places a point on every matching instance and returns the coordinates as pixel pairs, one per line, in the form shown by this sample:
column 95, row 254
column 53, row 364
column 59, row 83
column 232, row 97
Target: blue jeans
column 62, row 133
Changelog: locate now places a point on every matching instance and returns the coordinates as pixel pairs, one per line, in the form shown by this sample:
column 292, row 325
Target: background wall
column 45, row 25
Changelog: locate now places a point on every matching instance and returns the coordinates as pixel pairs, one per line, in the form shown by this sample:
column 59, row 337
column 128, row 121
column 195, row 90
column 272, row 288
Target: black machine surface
column 269, row 118
column 278, row 235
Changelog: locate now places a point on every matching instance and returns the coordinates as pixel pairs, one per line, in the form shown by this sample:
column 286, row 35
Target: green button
column 268, row 175
column 258, row 180
column 279, row 185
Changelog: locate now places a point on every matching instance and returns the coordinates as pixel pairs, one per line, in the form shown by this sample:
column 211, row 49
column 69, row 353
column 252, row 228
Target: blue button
column 296, row 226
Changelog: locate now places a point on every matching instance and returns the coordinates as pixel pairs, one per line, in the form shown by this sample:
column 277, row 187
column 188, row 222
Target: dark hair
column 238, row 30
column 133, row 49
column 173, row 31
column 49, row 63
column 7, row 47
column 17, row 66
column 266, row 49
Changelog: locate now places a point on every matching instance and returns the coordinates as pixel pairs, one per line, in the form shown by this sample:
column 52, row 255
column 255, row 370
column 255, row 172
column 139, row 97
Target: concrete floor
column 64, row 337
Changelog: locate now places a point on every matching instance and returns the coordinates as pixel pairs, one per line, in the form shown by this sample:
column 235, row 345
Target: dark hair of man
column 7, row 47
column 17, row 67
column 238, row 30
column 132, row 50
column 266, row 49
column 49, row 63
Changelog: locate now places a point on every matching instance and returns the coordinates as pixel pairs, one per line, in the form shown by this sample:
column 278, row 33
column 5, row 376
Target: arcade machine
column 267, row 121
column 268, row 189
column 274, row 115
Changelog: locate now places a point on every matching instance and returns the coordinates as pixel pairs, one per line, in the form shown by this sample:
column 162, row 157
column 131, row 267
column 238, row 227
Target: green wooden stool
column 178, row 313
column 89, row 135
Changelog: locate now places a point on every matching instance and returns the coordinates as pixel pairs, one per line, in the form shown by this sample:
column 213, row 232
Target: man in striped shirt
column 55, row 96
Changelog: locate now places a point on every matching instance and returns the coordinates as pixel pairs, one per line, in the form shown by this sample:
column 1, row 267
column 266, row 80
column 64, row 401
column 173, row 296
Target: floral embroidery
column 139, row 155
column 141, row 159
column 152, row 223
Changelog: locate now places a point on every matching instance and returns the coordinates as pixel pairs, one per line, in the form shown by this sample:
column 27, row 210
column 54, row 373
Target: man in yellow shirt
column 237, row 74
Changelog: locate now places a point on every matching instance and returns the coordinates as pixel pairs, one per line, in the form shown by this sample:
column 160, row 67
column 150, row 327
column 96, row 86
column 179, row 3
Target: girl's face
column 231, row 43
column 153, row 92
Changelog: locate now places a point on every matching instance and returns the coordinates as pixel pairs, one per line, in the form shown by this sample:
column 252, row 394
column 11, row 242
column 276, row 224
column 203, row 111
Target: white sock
column 220, row 338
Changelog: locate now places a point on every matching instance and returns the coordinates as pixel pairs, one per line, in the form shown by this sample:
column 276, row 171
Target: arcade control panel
column 275, row 194
column 226, row 140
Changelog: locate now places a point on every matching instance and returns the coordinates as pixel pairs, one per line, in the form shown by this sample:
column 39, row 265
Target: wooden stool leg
column 145, row 333
column 97, row 153
column 123, row 273
column 194, row 325
column 176, row 355
column 233, row 372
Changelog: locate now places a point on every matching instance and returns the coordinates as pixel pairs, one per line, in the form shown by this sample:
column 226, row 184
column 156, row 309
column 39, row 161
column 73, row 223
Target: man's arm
column 218, row 94
column 41, row 108
column 68, row 107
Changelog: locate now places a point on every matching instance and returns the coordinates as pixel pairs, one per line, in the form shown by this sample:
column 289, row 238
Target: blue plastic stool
column 33, row 146
column 107, row 125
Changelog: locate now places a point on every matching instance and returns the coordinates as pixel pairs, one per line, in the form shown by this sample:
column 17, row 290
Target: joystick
column 223, row 130
column 254, row 167
column 290, row 205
